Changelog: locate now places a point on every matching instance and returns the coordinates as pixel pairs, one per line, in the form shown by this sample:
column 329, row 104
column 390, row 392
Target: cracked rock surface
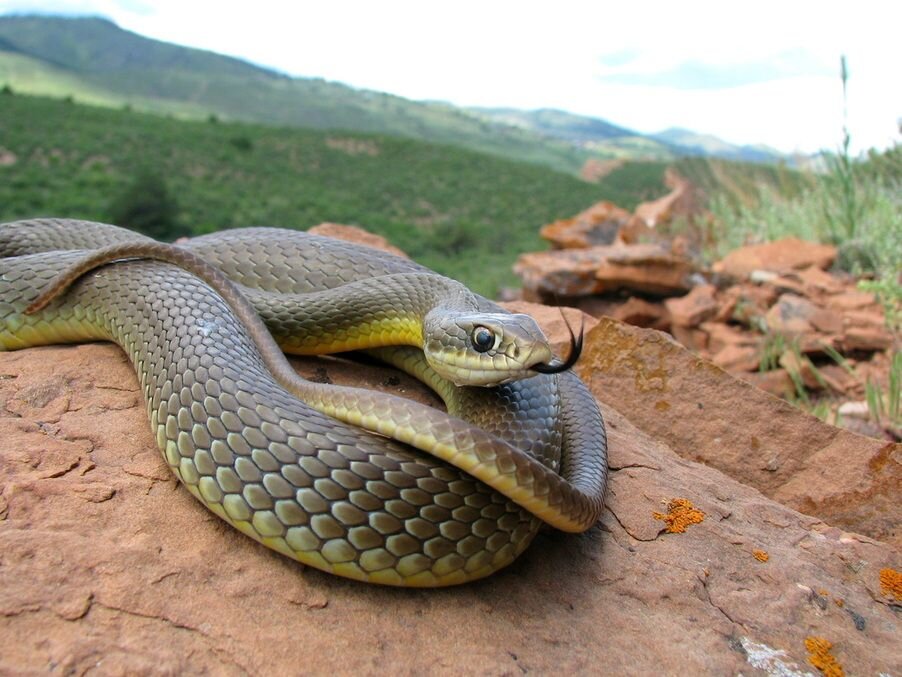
column 108, row 566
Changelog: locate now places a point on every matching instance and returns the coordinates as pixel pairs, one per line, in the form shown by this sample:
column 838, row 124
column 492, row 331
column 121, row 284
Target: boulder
column 108, row 565
column 357, row 236
column 693, row 308
column 865, row 329
column 745, row 303
column 721, row 336
column 776, row 381
column 791, row 315
column 597, row 225
column 642, row 313
column 779, row 256
column 645, row 268
column 704, row 414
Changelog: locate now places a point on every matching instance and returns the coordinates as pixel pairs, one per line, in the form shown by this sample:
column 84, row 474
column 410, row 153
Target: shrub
column 147, row 206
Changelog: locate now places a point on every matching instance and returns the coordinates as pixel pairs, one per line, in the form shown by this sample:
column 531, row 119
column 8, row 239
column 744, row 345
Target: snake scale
column 327, row 492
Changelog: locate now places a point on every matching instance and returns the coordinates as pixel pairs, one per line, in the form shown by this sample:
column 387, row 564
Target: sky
column 758, row 72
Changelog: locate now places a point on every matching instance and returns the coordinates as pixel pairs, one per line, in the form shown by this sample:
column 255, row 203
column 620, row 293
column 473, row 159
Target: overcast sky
column 752, row 72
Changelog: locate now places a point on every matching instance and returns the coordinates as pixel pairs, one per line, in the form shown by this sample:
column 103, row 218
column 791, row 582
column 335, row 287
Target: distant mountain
column 95, row 61
column 693, row 143
column 601, row 136
column 557, row 123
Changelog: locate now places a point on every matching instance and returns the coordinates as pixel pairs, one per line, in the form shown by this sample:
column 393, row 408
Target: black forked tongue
column 576, row 348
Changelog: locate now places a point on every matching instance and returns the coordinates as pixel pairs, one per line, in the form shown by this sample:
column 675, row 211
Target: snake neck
column 388, row 310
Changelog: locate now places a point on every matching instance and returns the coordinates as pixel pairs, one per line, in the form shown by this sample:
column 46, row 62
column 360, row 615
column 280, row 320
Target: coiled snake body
column 323, row 491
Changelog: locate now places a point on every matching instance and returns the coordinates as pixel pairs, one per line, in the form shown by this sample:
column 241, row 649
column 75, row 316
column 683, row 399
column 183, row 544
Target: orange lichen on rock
column 821, row 658
column 761, row 555
column 680, row 514
column 891, row 583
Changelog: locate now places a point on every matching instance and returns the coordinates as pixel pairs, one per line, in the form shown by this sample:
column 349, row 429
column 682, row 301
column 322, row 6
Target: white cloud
column 530, row 54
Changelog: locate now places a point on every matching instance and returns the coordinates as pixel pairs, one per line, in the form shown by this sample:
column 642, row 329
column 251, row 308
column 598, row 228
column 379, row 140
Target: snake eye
column 483, row 339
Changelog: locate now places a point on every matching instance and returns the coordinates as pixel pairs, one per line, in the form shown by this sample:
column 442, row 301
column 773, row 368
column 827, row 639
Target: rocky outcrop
column 648, row 268
column 770, row 312
column 107, row 564
column 597, row 225
column 780, row 256
column 606, row 249
column 706, row 415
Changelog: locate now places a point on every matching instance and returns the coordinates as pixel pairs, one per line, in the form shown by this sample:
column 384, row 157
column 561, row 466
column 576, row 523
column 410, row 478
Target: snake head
column 485, row 349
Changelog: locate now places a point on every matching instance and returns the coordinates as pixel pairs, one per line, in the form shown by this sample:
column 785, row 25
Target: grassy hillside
column 740, row 184
column 466, row 214
column 93, row 60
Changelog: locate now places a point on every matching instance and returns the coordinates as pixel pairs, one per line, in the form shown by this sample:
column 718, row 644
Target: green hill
column 94, row 60
column 464, row 213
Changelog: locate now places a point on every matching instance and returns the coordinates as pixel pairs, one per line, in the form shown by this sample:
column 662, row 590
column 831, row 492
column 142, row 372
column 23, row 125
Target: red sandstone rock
column 791, row 315
column 745, row 303
column 641, row 313
column 800, row 366
column 779, row 256
column 682, row 200
column 865, row 330
column 737, row 358
column 598, row 225
column 776, row 381
column 837, row 378
column 722, row 335
column 357, row 236
column 696, row 340
column 852, row 300
column 826, row 320
column 109, row 566
column 705, row 414
column 815, row 280
column 596, row 306
column 694, row 308
column 580, row 272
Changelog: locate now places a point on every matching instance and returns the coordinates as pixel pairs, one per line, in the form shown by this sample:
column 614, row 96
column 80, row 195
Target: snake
column 326, row 484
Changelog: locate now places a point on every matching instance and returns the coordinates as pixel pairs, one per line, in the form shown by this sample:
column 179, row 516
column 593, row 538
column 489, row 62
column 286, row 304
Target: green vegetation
column 887, row 409
column 148, row 207
column 734, row 185
column 95, row 61
column 463, row 213
column 857, row 207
